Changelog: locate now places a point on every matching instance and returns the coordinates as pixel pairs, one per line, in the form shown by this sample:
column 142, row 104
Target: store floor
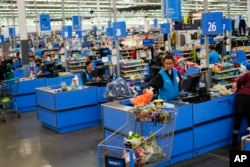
column 25, row 143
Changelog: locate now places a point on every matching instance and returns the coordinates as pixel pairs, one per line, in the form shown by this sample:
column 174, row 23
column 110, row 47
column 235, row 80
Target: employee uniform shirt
column 213, row 57
column 158, row 81
column 86, row 76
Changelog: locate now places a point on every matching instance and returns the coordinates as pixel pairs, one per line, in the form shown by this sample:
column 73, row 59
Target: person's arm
column 179, row 75
column 157, row 82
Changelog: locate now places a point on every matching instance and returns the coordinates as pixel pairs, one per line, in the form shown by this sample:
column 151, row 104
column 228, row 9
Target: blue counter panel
column 213, row 109
column 18, row 73
column 28, row 86
column 45, row 99
column 100, row 94
column 183, row 142
column 66, row 100
column 70, row 120
column 184, row 117
column 58, row 80
column 213, row 132
column 77, row 116
column 115, row 119
column 26, row 103
column 47, row 116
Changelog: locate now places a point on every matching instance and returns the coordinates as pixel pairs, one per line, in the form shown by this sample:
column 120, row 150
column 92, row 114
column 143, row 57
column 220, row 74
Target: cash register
column 193, row 92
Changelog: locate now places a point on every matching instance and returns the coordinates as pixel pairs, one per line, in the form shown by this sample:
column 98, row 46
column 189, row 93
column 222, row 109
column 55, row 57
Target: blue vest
column 169, row 90
column 88, row 77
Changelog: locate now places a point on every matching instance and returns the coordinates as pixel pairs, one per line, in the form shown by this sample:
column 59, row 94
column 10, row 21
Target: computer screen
column 50, row 68
column 194, row 82
column 103, row 71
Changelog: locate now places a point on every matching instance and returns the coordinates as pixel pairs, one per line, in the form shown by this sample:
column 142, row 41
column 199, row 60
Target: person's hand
column 97, row 79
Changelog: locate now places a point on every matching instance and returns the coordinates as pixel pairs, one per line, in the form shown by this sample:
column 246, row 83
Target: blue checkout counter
column 200, row 127
column 69, row 110
column 26, row 97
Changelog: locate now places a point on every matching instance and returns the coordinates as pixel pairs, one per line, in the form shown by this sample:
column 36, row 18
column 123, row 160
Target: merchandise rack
column 156, row 135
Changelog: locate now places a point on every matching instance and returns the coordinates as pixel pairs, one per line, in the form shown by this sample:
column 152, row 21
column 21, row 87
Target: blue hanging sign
column 174, row 9
column 227, row 24
column 78, row 33
column 165, row 28
column 1, row 39
column 147, row 42
column 109, row 32
column 119, row 29
column 44, row 20
column 76, row 22
column 212, row 23
column 155, row 23
column 66, row 32
column 12, row 32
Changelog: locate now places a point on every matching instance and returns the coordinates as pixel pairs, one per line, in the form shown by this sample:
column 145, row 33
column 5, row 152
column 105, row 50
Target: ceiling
column 88, row 8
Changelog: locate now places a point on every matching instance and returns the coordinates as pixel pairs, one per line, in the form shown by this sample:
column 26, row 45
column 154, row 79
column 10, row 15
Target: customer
column 168, row 80
column 40, row 67
column 242, row 103
column 173, row 37
column 30, row 69
column 3, row 69
column 213, row 55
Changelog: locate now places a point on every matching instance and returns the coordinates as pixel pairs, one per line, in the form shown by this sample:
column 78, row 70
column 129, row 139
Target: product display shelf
column 76, row 67
column 229, row 77
column 186, row 53
column 126, row 53
column 129, row 69
column 225, row 77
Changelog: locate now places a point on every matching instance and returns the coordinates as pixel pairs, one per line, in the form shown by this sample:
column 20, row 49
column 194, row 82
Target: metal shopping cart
column 141, row 142
column 8, row 91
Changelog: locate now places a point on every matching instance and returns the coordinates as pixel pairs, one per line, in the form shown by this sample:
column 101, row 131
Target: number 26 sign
column 212, row 23
column 119, row 29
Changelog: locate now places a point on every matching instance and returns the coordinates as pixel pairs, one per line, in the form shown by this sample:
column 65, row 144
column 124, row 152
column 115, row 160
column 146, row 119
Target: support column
column 23, row 31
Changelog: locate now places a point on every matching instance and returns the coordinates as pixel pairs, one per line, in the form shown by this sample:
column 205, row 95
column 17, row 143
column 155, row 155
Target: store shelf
column 137, row 65
column 129, row 71
column 234, row 76
column 233, row 69
column 76, row 67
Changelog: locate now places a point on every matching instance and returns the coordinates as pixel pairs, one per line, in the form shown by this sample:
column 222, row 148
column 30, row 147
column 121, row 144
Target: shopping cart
column 140, row 142
column 8, row 91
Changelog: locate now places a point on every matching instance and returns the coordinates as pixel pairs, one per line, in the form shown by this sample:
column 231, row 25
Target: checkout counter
column 25, row 95
column 65, row 111
column 200, row 127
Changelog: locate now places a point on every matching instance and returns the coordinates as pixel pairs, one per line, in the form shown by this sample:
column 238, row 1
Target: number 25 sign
column 212, row 23
column 119, row 29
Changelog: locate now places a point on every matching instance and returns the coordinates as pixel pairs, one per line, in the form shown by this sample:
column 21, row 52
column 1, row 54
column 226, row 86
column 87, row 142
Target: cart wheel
column 18, row 115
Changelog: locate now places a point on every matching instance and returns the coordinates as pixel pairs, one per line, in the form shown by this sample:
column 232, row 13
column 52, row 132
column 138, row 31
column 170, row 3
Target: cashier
column 86, row 74
column 168, row 80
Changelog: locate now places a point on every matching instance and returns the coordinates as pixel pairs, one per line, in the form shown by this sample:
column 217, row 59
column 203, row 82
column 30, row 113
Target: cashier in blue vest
column 87, row 75
column 167, row 81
